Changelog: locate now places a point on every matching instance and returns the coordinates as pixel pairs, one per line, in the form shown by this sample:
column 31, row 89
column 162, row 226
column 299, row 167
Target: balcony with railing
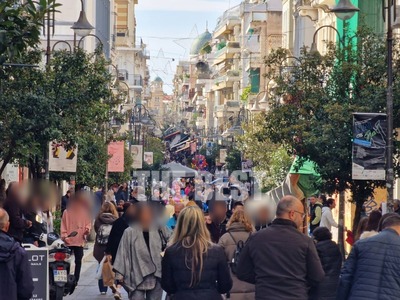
column 227, row 52
column 226, row 81
column 227, row 22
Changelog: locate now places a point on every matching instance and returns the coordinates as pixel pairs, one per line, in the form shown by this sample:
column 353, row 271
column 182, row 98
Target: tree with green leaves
column 71, row 102
column 20, row 26
column 311, row 111
column 272, row 164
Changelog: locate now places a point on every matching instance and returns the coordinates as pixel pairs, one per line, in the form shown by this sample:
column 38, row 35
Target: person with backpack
column 103, row 225
column 239, row 229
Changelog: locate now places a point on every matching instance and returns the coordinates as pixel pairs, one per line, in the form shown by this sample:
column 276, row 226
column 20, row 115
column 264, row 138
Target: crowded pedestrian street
column 199, row 150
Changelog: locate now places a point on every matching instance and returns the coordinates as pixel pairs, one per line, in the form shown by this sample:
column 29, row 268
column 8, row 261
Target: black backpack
column 236, row 255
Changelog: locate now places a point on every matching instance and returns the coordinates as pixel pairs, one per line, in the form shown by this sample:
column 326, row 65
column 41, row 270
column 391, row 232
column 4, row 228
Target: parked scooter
column 62, row 283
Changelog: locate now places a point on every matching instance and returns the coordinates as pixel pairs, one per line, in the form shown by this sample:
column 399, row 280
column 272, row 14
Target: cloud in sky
column 183, row 5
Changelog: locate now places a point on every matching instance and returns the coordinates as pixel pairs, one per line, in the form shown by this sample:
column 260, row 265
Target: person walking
column 138, row 259
column 76, row 218
column 327, row 217
column 331, row 260
column 118, row 229
column 372, row 225
column 372, row 270
column 177, row 209
column 193, row 267
column 239, row 229
column 102, row 226
column 315, row 213
column 217, row 210
column 64, row 201
column 14, row 207
column 15, row 271
column 280, row 260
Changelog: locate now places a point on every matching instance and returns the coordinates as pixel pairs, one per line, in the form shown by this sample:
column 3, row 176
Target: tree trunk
column 341, row 223
column 357, row 215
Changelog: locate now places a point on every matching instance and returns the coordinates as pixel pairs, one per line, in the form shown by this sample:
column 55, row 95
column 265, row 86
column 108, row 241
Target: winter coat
column 372, row 270
column 217, row 230
column 15, row 270
column 103, row 219
column 176, row 275
column 327, row 219
column 115, row 237
column 241, row 290
column 281, row 261
column 331, row 260
column 134, row 261
column 17, row 223
column 75, row 218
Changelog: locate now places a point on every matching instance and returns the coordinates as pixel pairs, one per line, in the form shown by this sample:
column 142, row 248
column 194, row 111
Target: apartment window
column 255, row 80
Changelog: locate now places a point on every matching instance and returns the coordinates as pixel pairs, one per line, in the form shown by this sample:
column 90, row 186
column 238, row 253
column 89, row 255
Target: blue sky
column 168, row 27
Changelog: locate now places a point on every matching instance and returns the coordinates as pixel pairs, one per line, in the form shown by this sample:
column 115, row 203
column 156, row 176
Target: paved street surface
column 88, row 288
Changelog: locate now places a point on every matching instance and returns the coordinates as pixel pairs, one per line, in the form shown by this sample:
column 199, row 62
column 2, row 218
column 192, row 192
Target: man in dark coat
column 217, row 228
column 331, row 260
column 15, row 272
column 64, row 201
column 14, row 209
column 118, row 229
column 280, row 260
column 372, row 270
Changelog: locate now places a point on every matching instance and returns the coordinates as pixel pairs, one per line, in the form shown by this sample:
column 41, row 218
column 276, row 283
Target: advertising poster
column 61, row 159
column 137, row 156
column 223, row 153
column 116, row 154
column 247, row 166
column 38, row 260
column 369, row 146
column 148, row 158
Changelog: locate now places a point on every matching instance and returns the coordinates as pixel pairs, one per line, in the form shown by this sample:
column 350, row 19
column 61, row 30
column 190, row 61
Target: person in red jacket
column 76, row 218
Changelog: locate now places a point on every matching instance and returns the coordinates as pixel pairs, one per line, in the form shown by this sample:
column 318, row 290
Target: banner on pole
column 369, row 146
column 223, row 153
column 116, row 154
column 137, row 156
column 61, row 159
column 149, row 158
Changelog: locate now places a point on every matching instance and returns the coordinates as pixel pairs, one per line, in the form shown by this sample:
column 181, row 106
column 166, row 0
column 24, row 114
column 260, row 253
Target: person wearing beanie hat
column 331, row 260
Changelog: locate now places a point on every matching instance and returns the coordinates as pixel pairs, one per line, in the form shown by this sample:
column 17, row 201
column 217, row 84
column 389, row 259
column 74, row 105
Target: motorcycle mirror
column 39, row 219
column 73, row 234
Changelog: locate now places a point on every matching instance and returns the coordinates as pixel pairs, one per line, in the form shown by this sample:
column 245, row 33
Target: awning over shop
column 301, row 182
column 178, row 170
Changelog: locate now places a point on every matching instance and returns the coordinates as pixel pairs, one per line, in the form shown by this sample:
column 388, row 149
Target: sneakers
column 103, row 293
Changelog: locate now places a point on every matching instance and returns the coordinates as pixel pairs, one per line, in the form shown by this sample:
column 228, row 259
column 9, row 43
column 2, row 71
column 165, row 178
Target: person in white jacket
column 327, row 217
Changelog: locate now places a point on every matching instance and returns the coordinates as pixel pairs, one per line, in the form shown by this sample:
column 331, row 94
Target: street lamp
column 82, row 27
column 344, row 10
column 314, row 48
column 389, row 101
column 256, row 106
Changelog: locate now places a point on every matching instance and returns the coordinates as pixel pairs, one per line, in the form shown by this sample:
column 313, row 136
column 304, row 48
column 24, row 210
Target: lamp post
column 82, row 27
column 389, row 101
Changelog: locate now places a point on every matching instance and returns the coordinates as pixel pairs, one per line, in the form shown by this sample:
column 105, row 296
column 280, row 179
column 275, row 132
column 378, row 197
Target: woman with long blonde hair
column 239, row 229
column 193, row 267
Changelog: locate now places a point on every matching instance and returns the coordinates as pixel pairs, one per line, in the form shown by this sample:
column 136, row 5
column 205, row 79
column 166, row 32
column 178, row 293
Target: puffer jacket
column 15, row 271
column 331, row 260
column 103, row 219
column 372, row 270
column 176, row 275
column 241, row 290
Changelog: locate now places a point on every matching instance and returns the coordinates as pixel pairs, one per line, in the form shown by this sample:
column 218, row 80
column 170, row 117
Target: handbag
column 99, row 272
column 108, row 273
